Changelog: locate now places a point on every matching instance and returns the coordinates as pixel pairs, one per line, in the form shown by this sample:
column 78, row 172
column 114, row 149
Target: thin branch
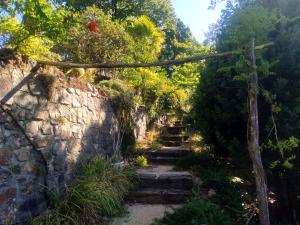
column 275, row 127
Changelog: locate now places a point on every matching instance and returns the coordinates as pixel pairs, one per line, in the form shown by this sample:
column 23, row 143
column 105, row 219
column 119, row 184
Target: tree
column 221, row 110
column 118, row 9
column 33, row 27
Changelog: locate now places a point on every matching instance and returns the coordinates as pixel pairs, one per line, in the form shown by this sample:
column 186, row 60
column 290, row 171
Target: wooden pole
column 253, row 143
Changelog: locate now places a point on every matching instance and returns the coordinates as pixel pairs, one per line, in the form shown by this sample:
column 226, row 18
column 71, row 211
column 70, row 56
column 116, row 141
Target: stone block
column 16, row 169
column 29, row 205
column 41, row 115
column 22, row 155
column 7, row 195
column 5, row 178
column 71, row 90
column 5, row 155
column 43, row 141
column 59, row 148
column 66, row 98
column 59, row 164
column 21, row 114
column 76, row 103
column 32, row 167
column 53, row 112
column 26, row 101
column 33, row 127
column 63, row 132
column 78, row 92
column 46, row 129
column 10, row 126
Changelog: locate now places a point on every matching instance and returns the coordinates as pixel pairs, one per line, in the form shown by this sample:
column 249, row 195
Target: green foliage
column 221, row 98
column 147, row 39
column 195, row 212
column 214, row 173
column 284, row 151
column 33, row 27
column 96, row 193
column 160, row 11
column 127, row 31
column 123, row 102
column 108, row 44
column 155, row 145
column 141, row 161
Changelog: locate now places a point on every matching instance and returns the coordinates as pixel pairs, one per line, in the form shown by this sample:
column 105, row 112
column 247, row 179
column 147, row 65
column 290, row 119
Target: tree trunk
column 253, row 143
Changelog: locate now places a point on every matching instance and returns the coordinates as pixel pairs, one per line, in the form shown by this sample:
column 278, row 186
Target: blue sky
column 195, row 14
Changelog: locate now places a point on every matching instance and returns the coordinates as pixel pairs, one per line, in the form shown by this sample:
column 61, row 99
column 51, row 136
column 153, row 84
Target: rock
column 22, row 155
column 5, row 155
column 34, row 168
column 62, row 132
column 42, row 115
column 211, row 193
column 71, row 90
column 59, row 148
column 29, row 205
column 5, row 178
column 27, row 101
column 7, row 195
column 43, row 141
column 33, row 127
column 76, row 103
column 46, row 129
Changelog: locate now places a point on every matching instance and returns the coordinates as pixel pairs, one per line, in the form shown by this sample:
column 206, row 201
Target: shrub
column 155, row 146
column 196, row 212
column 141, row 161
column 97, row 192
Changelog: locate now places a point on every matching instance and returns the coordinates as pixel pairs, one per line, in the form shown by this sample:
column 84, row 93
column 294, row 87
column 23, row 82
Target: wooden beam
column 34, row 70
column 149, row 64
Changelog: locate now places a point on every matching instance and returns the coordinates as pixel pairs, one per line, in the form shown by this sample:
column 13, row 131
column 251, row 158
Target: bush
column 155, row 146
column 97, row 192
column 197, row 212
column 212, row 171
column 141, row 161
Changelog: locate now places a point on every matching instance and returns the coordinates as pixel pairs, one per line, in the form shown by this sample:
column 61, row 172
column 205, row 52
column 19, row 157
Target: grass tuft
column 98, row 192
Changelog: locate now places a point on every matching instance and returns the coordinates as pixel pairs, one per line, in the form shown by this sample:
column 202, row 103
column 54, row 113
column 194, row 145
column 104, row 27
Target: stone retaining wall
column 48, row 126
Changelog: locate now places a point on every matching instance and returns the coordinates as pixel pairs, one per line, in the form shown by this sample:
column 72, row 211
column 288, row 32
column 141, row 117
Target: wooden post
column 253, row 143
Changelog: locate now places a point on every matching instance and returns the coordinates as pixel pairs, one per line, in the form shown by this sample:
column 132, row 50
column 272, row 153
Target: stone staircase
column 160, row 183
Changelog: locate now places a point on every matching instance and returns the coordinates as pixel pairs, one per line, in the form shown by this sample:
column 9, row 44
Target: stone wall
column 45, row 129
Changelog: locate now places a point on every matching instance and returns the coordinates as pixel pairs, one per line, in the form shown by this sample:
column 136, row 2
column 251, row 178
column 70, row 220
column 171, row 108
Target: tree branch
column 150, row 64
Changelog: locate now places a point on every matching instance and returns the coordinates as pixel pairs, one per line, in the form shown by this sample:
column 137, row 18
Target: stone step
column 163, row 160
column 168, row 153
column 174, row 138
column 176, row 129
column 170, row 180
column 159, row 196
column 171, row 143
column 178, row 123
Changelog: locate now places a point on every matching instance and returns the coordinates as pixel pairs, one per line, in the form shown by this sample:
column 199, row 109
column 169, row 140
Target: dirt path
column 143, row 214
